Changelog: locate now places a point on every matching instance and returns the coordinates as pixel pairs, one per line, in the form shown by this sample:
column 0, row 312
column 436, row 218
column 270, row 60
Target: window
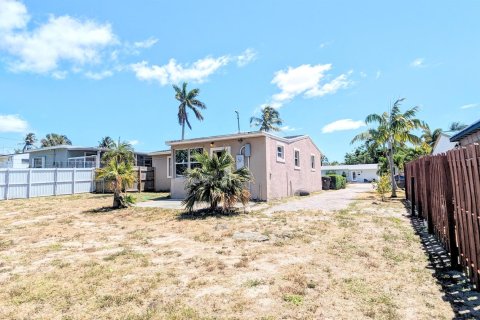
column 39, row 162
column 296, row 153
column 184, row 160
column 169, row 167
column 280, row 153
column 312, row 162
column 219, row 150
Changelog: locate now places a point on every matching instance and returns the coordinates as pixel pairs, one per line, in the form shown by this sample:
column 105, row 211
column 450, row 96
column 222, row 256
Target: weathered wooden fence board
column 445, row 190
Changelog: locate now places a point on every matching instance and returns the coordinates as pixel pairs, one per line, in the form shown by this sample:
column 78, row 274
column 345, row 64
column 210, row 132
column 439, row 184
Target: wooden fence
column 146, row 176
column 445, row 191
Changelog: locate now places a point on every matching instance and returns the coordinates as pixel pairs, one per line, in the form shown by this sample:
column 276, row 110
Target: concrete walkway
column 326, row 201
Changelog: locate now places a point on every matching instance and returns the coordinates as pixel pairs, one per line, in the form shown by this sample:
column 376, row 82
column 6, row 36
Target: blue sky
column 88, row 69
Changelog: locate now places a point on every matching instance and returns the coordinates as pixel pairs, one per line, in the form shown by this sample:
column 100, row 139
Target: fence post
column 74, row 177
column 452, row 240
column 428, row 195
column 29, row 183
column 412, row 195
column 139, row 184
column 7, row 183
column 55, row 174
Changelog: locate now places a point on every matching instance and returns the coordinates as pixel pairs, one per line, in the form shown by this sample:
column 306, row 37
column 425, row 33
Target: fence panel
column 445, row 190
column 29, row 183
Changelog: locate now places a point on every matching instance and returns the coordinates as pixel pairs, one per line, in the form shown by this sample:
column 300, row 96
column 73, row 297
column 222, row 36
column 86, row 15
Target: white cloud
column 305, row 79
column 418, row 63
column 378, row 75
column 468, row 106
column 12, row 123
column 246, row 57
column 342, row 125
column 288, row 129
column 363, row 74
column 146, row 43
column 98, row 75
column 174, row 72
column 13, row 14
column 59, row 75
column 133, row 142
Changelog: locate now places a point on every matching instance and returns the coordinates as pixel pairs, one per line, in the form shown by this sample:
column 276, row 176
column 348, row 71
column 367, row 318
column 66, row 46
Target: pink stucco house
column 281, row 166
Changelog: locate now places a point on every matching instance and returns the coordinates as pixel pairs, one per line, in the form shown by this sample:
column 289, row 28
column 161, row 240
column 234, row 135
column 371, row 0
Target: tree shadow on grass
column 207, row 213
column 458, row 290
column 101, row 210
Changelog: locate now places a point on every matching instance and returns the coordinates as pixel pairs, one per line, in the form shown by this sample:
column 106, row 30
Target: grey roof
column 67, row 147
column 250, row 134
column 474, row 127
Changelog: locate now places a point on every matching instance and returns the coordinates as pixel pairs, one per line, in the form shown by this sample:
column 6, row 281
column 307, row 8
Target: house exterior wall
column 360, row 174
column 20, row 160
column 473, row 138
column 257, row 164
column 162, row 182
column 443, row 145
column 53, row 158
column 284, row 179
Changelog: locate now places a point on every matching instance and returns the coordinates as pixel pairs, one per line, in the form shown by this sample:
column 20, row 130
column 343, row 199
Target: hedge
column 337, row 181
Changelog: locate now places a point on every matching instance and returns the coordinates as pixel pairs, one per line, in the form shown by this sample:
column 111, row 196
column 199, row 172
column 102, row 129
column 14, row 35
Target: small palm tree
column 106, row 143
column 216, row 182
column 393, row 130
column 29, row 141
column 268, row 121
column 456, row 126
column 429, row 136
column 54, row 139
column 122, row 175
column 121, row 152
column 188, row 100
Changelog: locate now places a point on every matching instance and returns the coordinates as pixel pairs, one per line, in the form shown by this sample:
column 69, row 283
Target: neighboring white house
column 16, row 160
column 355, row 172
column 442, row 144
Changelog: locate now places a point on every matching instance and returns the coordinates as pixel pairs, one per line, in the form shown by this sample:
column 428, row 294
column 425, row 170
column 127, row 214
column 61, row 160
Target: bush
column 383, row 186
column 337, row 181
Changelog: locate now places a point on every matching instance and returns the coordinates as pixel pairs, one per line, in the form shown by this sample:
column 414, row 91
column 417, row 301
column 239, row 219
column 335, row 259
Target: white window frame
column 43, row 162
column 280, row 159
column 294, row 158
column 313, row 165
column 226, row 148
column 188, row 163
column 169, row 166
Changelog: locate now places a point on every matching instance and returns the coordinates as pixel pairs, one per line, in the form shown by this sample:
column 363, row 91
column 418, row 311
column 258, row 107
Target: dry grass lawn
column 61, row 259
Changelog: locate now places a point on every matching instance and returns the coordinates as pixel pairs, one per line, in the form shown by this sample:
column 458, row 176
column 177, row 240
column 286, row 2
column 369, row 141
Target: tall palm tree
column 216, row 182
column 269, row 120
column 393, row 130
column 29, row 141
column 456, row 126
column 430, row 136
column 106, row 143
column 54, row 139
column 188, row 100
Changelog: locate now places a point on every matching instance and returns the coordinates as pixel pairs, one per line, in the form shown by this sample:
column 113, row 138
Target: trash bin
column 326, row 183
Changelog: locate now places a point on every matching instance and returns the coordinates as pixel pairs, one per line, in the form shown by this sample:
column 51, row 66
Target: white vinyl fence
column 29, row 183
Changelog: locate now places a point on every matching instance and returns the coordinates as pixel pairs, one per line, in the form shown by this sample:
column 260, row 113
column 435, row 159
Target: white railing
column 82, row 162
column 29, row 183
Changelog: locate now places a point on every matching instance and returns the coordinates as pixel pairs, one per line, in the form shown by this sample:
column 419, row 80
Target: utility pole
column 238, row 120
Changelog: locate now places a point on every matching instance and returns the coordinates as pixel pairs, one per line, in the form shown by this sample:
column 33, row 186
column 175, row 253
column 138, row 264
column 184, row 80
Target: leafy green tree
column 54, row 139
column 363, row 154
column 122, row 175
column 269, row 120
column 188, row 99
column 216, row 182
column 393, row 130
column 106, row 143
column 429, row 136
column 29, row 141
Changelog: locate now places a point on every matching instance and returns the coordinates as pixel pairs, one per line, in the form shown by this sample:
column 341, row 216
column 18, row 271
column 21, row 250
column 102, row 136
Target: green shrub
column 337, row 181
column 383, row 186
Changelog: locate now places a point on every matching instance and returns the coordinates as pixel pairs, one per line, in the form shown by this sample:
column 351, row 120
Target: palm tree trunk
column 391, row 166
column 183, row 129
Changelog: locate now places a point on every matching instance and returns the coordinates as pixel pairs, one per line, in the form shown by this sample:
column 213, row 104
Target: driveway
column 326, row 201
